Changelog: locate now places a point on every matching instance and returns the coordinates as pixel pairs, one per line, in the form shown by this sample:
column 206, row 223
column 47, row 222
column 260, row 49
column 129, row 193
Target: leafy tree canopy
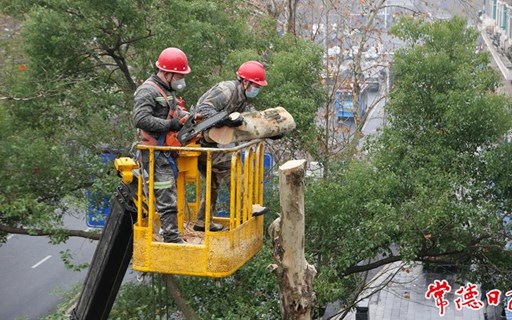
column 435, row 186
column 68, row 88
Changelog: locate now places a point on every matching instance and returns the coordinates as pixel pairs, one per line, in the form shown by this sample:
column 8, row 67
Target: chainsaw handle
column 192, row 128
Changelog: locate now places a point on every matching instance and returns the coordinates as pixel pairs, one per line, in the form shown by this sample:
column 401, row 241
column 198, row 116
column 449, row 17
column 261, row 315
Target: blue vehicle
column 345, row 105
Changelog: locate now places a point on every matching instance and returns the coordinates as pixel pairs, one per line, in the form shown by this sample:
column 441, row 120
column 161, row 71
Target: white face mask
column 253, row 92
column 178, row 85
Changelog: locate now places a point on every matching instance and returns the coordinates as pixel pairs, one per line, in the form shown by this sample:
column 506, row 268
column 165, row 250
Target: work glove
column 228, row 122
column 175, row 125
column 206, row 144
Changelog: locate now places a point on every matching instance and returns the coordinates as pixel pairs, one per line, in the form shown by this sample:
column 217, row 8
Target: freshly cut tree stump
column 295, row 275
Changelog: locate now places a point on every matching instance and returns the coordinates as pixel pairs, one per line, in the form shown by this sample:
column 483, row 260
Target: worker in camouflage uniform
column 232, row 97
column 155, row 112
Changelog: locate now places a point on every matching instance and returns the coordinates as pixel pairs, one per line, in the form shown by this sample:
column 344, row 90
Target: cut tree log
column 257, row 125
column 295, row 275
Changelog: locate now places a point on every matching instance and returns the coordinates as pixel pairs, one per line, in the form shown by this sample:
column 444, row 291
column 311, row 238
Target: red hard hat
column 252, row 71
column 173, row 60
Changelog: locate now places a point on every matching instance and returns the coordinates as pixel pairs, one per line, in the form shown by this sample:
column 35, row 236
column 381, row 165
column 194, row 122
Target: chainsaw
column 192, row 128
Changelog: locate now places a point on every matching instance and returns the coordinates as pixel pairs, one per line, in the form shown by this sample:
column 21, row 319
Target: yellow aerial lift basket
column 210, row 254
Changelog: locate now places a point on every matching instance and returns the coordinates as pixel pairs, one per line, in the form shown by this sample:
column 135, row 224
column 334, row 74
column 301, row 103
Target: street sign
column 98, row 206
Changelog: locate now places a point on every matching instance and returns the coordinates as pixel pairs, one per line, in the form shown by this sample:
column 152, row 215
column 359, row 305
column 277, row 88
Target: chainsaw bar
column 191, row 129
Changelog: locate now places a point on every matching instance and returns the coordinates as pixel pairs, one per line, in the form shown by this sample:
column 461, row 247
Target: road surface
column 32, row 273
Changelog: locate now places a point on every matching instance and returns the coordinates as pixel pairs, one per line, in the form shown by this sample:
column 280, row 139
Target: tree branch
column 370, row 266
column 93, row 235
column 425, row 257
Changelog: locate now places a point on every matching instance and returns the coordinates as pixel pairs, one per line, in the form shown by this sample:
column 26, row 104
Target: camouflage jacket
column 226, row 95
column 150, row 109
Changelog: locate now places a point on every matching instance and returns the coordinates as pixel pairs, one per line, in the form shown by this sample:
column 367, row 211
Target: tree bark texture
column 294, row 274
column 257, row 125
column 177, row 295
column 292, row 12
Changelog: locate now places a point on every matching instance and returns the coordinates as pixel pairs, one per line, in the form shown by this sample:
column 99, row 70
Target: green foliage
column 125, row 308
column 436, row 182
column 83, row 61
column 252, row 290
column 446, row 123
column 68, row 297
column 435, row 185
column 294, row 84
column 347, row 221
column 66, row 257
column 448, row 97
column 135, row 301
column 73, row 102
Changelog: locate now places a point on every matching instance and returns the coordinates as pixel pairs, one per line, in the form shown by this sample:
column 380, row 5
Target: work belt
column 149, row 140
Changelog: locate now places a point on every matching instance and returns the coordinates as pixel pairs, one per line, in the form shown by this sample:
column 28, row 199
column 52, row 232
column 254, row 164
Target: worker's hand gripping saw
column 191, row 128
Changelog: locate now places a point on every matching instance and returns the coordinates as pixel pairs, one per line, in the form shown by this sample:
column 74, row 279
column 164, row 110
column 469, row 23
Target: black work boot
column 258, row 210
column 214, row 227
column 169, row 230
column 173, row 240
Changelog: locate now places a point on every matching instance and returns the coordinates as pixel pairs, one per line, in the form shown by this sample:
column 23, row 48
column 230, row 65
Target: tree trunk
column 175, row 291
column 295, row 275
column 292, row 11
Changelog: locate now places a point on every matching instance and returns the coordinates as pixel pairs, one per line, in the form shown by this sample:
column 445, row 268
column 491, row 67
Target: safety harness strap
column 150, row 140
column 172, row 107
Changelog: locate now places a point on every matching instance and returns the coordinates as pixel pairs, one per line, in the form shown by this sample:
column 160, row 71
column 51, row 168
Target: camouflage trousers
column 221, row 171
column 165, row 197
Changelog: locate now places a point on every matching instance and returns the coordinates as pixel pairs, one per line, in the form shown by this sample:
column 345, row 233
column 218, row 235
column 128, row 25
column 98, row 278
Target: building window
column 499, row 15
column 509, row 26
column 505, row 17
